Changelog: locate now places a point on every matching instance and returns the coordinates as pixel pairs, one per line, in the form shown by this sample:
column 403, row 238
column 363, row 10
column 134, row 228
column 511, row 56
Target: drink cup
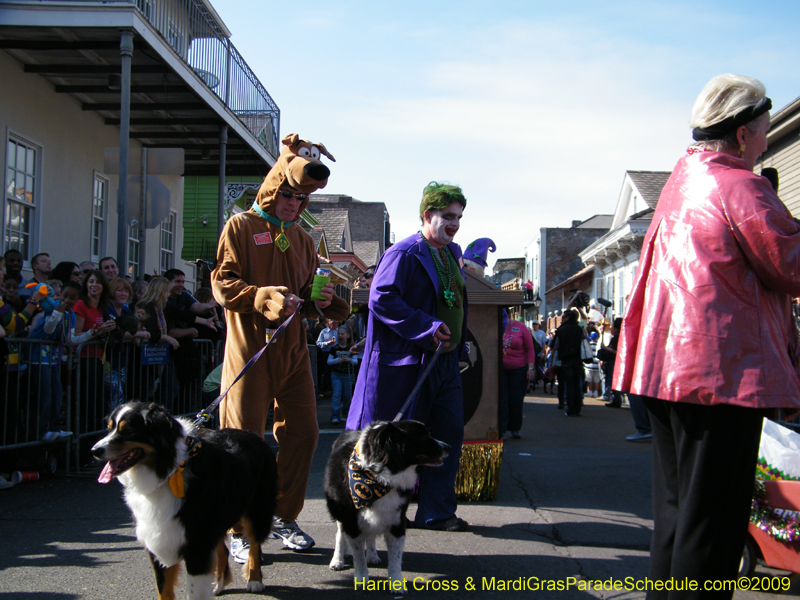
column 22, row 476
column 322, row 277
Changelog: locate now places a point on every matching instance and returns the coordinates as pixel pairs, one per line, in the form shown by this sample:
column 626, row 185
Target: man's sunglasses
column 288, row 194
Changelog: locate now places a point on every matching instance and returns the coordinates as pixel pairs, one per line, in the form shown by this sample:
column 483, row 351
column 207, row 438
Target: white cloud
column 536, row 110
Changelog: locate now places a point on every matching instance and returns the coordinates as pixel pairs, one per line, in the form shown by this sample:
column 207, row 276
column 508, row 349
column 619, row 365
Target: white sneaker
column 50, row 436
column 639, row 437
column 292, row 536
column 64, row 434
column 240, row 548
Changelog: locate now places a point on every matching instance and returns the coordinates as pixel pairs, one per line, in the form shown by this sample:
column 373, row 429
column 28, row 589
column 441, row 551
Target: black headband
column 717, row 131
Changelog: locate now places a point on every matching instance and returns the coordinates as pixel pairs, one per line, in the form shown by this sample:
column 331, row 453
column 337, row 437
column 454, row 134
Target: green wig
column 438, row 196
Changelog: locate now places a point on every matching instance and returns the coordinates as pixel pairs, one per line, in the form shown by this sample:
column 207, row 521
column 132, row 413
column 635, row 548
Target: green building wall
column 200, row 201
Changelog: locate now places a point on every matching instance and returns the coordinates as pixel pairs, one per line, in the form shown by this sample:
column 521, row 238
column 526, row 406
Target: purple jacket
column 402, row 305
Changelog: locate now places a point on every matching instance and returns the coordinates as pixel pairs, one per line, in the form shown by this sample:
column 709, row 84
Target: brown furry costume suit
column 250, row 281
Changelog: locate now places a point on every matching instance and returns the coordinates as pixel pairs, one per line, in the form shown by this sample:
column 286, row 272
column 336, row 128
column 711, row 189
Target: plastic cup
column 22, row 476
column 321, row 279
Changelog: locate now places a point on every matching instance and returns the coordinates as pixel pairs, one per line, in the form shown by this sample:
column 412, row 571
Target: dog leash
column 422, row 377
column 205, row 415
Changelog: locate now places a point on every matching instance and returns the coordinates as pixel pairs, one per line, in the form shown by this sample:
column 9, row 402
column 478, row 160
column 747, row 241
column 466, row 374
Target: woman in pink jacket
column 519, row 362
column 708, row 337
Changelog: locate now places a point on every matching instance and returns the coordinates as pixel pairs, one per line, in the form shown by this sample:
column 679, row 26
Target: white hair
column 725, row 96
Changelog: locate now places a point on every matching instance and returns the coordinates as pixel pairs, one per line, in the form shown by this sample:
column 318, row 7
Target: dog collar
column 282, row 242
column 364, row 487
column 176, row 482
column 270, row 218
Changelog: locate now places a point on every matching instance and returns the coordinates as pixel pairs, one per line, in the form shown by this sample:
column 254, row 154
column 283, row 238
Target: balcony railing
column 191, row 30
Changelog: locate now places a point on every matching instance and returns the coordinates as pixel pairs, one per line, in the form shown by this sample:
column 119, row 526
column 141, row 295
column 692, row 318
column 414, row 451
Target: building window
column 99, row 205
column 167, row 252
column 134, row 251
column 23, row 165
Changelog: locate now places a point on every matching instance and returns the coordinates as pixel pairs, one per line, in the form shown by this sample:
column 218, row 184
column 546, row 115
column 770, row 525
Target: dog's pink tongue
column 108, row 471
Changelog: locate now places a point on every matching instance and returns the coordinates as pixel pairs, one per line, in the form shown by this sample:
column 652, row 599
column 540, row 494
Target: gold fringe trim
column 479, row 470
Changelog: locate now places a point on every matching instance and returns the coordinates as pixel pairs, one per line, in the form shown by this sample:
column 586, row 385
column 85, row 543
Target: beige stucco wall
column 72, row 143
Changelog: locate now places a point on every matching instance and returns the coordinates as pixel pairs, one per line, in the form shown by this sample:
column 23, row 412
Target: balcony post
column 223, row 147
column 126, row 54
column 227, row 95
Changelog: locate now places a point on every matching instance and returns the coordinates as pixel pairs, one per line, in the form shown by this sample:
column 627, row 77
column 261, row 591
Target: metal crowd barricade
column 176, row 383
column 24, row 382
column 94, row 378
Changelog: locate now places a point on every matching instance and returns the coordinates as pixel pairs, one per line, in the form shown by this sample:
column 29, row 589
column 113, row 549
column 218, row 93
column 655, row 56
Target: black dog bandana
column 364, row 488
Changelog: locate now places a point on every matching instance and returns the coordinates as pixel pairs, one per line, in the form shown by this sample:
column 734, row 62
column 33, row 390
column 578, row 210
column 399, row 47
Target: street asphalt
column 573, row 507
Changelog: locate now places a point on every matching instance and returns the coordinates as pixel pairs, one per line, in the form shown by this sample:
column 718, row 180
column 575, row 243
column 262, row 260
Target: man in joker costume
column 417, row 299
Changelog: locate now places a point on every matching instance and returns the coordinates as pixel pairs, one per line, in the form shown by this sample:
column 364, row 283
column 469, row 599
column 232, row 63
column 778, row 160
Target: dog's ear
column 373, row 447
column 390, row 442
column 156, row 416
column 324, row 151
column 290, row 140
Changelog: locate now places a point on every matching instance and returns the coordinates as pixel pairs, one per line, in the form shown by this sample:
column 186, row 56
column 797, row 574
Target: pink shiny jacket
column 709, row 317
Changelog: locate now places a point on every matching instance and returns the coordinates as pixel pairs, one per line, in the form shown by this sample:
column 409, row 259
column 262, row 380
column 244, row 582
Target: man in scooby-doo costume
column 265, row 266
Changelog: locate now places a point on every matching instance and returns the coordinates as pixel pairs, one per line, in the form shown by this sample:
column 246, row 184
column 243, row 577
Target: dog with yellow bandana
column 178, row 481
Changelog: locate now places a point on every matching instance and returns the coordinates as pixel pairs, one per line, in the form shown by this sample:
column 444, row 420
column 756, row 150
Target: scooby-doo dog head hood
column 298, row 166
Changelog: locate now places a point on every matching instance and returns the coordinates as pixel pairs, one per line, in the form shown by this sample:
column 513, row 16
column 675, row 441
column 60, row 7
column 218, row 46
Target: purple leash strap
column 422, row 377
column 205, row 416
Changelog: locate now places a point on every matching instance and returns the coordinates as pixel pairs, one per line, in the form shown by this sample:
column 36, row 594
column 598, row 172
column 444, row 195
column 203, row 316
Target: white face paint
column 441, row 226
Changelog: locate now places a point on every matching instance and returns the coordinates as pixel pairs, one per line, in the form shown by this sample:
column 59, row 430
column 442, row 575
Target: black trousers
column 704, row 462
column 570, row 379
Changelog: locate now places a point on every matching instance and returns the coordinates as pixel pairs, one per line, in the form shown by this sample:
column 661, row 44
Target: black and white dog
column 368, row 484
column 187, row 487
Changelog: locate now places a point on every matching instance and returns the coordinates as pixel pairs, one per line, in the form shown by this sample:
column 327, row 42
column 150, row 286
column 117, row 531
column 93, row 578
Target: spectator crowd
column 84, row 335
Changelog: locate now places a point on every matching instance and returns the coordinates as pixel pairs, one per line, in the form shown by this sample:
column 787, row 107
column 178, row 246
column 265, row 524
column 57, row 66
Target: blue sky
column 536, row 110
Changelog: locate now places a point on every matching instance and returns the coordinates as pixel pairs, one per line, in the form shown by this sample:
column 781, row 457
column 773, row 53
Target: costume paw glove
column 270, row 300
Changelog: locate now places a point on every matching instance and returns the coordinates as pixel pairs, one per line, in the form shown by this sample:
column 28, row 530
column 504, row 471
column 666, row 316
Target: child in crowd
column 57, row 325
column 342, row 363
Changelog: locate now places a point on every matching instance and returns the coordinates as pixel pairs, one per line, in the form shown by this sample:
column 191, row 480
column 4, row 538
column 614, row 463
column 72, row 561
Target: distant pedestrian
column 519, row 369
column 568, row 340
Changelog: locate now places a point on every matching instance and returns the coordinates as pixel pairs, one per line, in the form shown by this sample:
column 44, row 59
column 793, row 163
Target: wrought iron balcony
column 194, row 32
column 198, row 37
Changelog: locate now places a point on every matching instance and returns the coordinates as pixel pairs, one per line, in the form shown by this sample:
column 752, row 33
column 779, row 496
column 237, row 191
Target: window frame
column 165, row 252
column 134, row 266
column 102, row 242
column 33, row 231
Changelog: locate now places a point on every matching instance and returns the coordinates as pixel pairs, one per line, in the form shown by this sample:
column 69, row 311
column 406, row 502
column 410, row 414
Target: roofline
column 784, row 121
column 579, row 275
column 631, row 227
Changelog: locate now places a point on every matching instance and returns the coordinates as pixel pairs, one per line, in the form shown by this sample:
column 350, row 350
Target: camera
column 581, row 300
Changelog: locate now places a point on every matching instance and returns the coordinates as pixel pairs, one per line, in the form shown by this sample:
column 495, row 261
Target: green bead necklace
column 442, row 264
